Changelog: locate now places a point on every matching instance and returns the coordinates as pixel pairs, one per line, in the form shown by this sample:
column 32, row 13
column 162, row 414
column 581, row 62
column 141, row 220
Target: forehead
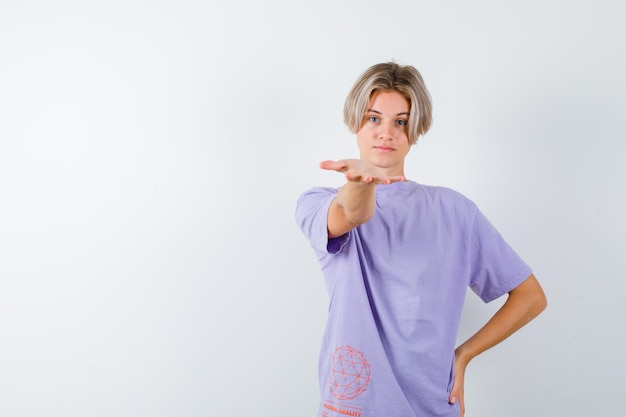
column 389, row 101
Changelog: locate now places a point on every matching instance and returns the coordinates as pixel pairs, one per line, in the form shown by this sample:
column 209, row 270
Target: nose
column 386, row 130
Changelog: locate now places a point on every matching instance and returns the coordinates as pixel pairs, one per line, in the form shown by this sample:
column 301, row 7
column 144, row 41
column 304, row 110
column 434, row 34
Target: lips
column 385, row 149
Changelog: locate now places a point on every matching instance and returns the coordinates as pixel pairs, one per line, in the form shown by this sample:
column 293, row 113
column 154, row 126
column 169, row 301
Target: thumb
column 456, row 395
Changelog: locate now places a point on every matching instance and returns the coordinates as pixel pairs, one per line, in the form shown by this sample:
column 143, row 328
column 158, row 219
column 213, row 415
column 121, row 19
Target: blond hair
column 385, row 77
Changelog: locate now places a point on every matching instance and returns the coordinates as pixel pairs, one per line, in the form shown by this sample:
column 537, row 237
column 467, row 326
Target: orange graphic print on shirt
column 349, row 373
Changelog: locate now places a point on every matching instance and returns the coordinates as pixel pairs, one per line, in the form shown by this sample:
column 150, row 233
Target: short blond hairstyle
column 385, row 77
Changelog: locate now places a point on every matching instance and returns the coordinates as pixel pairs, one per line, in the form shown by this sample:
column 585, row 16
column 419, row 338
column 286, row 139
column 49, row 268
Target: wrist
column 462, row 356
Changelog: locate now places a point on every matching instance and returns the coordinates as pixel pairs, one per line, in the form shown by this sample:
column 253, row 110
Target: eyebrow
column 399, row 114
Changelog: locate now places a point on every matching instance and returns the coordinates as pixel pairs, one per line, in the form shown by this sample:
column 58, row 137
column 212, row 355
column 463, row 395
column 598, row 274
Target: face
column 383, row 139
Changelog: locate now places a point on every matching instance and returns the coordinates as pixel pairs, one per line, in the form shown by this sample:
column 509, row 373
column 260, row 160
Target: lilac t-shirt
column 396, row 286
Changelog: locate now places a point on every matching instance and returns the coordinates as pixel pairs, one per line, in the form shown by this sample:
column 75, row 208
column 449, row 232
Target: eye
column 402, row 122
column 373, row 119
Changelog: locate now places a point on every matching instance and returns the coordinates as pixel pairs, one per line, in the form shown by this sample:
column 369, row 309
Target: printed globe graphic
column 349, row 373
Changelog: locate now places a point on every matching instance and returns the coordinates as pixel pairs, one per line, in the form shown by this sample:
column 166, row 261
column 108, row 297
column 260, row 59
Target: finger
column 454, row 394
column 397, row 178
column 354, row 176
column 333, row 165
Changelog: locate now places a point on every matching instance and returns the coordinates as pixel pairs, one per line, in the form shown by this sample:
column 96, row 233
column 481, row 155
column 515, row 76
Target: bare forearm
column 358, row 201
column 354, row 205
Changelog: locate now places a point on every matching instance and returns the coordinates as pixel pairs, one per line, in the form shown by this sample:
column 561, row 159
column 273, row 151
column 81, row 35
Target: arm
column 355, row 202
column 524, row 303
column 354, row 205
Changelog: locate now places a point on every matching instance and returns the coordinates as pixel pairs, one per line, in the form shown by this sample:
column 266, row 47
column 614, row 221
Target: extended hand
column 356, row 170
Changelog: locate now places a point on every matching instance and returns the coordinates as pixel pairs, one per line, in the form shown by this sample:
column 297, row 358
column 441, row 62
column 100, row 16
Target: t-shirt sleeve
column 495, row 267
column 312, row 218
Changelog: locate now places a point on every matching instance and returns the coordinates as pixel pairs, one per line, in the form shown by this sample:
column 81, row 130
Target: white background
column 151, row 154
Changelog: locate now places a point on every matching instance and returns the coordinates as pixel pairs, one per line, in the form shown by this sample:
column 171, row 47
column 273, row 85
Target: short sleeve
column 312, row 218
column 495, row 267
